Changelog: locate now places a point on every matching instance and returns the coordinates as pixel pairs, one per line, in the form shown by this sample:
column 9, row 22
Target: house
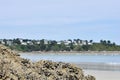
column 38, row 42
column 75, row 42
column 59, row 42
column 46, row 41
column 67, row 42
column 9, row 42
column 20, row 39
column 23, row 43
column 2, row 41
column 84, row 42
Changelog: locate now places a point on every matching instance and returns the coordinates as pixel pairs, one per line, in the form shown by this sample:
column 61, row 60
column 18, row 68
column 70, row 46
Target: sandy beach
column 99, row 66
column 101, row 71
column 104, row 75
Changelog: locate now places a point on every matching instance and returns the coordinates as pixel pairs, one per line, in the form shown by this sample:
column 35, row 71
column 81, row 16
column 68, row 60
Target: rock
column 89, row 77
column 13, row 67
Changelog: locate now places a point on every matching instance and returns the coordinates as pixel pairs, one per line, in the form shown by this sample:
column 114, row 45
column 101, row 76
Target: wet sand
column 99, row 66
column 104, row 75
column 101, row 71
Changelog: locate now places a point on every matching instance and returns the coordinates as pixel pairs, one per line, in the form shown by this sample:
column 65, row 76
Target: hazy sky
column 60, row 19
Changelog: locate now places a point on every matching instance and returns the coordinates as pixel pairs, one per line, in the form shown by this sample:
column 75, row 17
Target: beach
column 104, row 75
column 101, row 71
column 99, row 66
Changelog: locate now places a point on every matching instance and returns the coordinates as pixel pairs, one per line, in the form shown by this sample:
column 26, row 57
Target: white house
column 46, row 41
column 1, row 41
column 9, row 42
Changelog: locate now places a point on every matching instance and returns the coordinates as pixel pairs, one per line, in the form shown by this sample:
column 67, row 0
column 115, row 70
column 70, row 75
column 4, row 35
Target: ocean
column 73, row 58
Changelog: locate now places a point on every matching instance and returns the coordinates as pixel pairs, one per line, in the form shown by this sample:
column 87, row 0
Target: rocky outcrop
column 13, row 67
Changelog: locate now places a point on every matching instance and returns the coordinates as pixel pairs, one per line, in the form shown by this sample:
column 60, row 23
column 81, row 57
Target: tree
column 70, row 40
column 42, row 45
column 78, row 48
column 55, row 48
column 48, row 48
column 16, row 41
column 91, row 41
column 71, row 46
column 62, row 47
column 108, row 42
column 77, row 40
column 85, row 47
column 25, row 40
column 104, row 42
column 5, row 41
column 114, row 44
column 53, row 43
column 86, row 42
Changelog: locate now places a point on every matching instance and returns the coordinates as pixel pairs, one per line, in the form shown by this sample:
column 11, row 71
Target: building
column 9, row 42
column 2, row 41
column 46, row 41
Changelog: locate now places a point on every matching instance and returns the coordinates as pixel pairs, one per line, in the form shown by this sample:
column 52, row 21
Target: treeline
column 103, row 45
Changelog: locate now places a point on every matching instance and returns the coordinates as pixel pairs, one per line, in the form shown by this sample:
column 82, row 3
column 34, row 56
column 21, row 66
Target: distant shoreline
column 73, row 52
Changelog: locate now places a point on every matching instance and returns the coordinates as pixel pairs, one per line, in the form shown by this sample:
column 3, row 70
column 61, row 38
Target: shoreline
column 75, row 52
column 106, row 66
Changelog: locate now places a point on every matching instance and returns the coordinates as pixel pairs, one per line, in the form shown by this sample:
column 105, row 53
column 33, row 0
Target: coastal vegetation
column 63, row 45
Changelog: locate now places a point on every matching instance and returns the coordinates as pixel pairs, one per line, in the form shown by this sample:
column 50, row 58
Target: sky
column 60, row 19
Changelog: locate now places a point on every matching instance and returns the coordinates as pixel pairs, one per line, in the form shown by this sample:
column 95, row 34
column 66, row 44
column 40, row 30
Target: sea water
column 73, row 58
